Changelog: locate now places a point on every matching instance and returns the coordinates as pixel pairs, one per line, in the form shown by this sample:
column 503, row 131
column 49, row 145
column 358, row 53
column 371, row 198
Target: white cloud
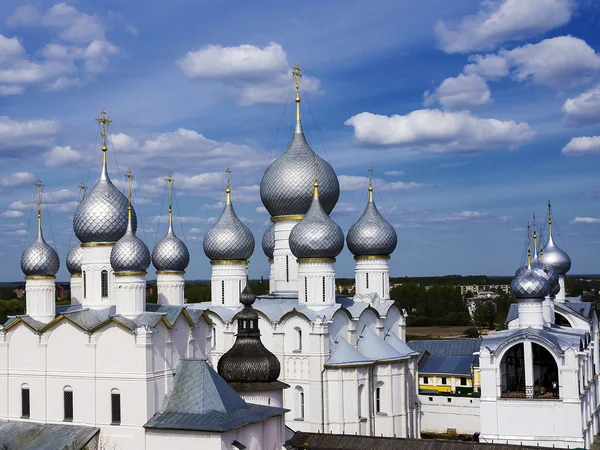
column 17, row 179
column 437, row 131
column 582, row 145
column 11, row 213
column 261, row 210
column 463, row 215
column 343, row 207
column 186, row 219
column 257, row 75
column 489, row 66
column 585, row 220
column 14, row 133
column 395, row 173
column 61, row 156
column 501, row 21
column 357, row 183
column 583, row 109
column 10, row 48
column 24, row 15
column 11, row 90
column 75, row 26
column 400, row 186
column 195, row 230
column 462, row 92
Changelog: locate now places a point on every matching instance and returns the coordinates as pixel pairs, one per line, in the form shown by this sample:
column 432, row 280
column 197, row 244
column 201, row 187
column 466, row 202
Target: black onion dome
column 248, row 361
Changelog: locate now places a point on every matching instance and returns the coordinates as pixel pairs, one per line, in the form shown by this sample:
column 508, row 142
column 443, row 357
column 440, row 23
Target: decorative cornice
column 315, row 260
column 284, row 218
column 128, row 274
column 98, row 244
column 40, row 277
column 170, row 272
column 225, row 262
column 370, row 257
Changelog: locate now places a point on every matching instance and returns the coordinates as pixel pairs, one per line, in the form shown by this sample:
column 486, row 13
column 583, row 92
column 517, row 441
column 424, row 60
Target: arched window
column 361, row 399
column 367, row 275
column 104, row 283
column 214, row 336
column 378, row 397
column 84, row 286
column 287, row 268
column 383, row 284
column 222, row 292
column 306, row 289
column 323, row 288
column 298, row 339
column 25, row 405
column 299, row 403
column 68, row 403
column 115, row 407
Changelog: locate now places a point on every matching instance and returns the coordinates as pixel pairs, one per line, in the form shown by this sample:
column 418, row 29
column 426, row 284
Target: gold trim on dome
column 370, row 257
column 225, row 262
column 98, row 244
column 40, row 277
column 170, row 272
column 315, row 260
column 77, row 275
column 284, row 218
column 128, row 274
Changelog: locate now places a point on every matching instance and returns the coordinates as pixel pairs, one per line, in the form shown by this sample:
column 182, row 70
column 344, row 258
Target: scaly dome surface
column 371, row 234
column 556, row 257
column 39, row 259
column 248, row 361
column 530, row 285
column 286, row 186
column 228, row 238
column 74, row 259
column 316, row 235
column 102, row 215
column 268, row 242
column 546, row 271
column 130, row 254
column 170, row 254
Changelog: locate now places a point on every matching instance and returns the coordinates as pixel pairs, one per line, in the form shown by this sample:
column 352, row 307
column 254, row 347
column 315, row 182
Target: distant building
column 19, row 291
column 481, row 288
column 350, row 288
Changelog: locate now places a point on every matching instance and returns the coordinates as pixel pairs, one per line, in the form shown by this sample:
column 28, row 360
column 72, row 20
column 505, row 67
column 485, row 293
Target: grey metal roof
column 583, row 309
column 369, row 343
column 446, row 347
column 513, row 312
column 559, row 339
column 398, row 344
column 41, row 436
column 344, row 354
column 200, row 400
column 455, row 365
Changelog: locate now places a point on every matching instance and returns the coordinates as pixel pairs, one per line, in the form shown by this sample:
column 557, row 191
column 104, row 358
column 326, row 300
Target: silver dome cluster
column 268, row 241
column 170, row 254
column 39, row 259
column 74, row 259
column 316, row 235
column 530, row 284
column 546, row 271
column 286, row 186
column 371, row 234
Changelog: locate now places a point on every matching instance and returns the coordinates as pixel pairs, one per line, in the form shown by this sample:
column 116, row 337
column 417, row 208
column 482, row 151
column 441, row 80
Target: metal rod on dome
column 534, row 238
column 170, row 180
column 297, row 76
column 528, row 244
column 370, row 185
column 316, row 193
column 549, row 218
column 39, row 186
column 129, row 178
column 82, row 188
column 228, row 190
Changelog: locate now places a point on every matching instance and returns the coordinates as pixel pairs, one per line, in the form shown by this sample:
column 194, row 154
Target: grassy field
column 435, row 332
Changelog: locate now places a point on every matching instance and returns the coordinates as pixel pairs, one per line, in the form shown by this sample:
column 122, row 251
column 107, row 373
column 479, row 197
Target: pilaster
column 170, row 286
column 131, row 293
column 372, row 275
column 227, row 281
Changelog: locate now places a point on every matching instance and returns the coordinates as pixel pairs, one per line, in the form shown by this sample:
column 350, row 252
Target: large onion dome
column 556, row 257
column 170, row 254
column 371, row 234
column 546, row 271
column 248, row 361
column 286, row 186
column 316, row 235
column 228, row 238
column 130, row 254
column 530, row 285
column 102, row 215
column 39, row 259
column 268, row 242
column 74, row 259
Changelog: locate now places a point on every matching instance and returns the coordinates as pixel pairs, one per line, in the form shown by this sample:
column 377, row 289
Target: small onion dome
column 530, row 285
column 316, row 235
column 228, row 238
column 371, row 234
column 130, row 254
column 546, row 271
column 286, row 186
column 39, row 259
column 248, row 361
column 170, row 254
column 102, row 215
column 74, row 259
column 556, row 257
column 268, row 242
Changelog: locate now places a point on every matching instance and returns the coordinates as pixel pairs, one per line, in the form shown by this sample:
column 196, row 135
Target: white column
column 372, row 275
column 130, row 288
column 271, row 275
column 227, row 281
column 96, row 259
column 531, row 313
column 560, row 297
column 548, row 308
column 76, row 289
column 285, row 278
column 40, row 298
column 528, row 359
column 170, row 286
column 316, row 279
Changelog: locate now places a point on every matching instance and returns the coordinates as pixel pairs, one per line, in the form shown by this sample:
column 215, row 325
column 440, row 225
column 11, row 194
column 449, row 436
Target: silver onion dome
column 316, row 235
column 102, row 215
column 170, row 254
column 546, row 271
column 268, row 242
column 286, row 186
column 556, row 257
column 74, row 259
column 39, row 259
column 228, row 238
column 530, row 285
column 371, row 234
column 130, row 254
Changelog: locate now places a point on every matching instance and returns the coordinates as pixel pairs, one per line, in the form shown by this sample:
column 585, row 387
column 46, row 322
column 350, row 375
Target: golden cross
column 316, row 169
column 82, row 186
column 228, row 171
column 297, row 76
column 170, row 180
column 39, row 186
column 104, row 122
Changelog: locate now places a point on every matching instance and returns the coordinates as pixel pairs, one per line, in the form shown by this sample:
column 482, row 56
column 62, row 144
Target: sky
column 472, row 114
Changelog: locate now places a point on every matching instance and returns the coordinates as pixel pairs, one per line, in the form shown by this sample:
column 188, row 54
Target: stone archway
column 545, row 373
column 512, row 372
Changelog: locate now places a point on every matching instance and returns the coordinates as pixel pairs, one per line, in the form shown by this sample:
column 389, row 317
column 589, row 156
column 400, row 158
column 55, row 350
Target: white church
column 115, row 369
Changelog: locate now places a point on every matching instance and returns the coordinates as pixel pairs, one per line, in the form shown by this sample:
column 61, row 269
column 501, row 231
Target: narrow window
column 240, row 286
column 84, row 286
column 104, row 283
column 301, row 405
column 222, row 292
column 68, row 403
column 115, row 407
column 443, row 380
column 367, row 280
column 214, row 336
column 25, row 402
column 425, row 380
column 378, row 400
column 463, row 381
column 306, row 289
column 287, row 268
column 383, row 284
column 298, row 339
column 361, row 399
column 323, row 288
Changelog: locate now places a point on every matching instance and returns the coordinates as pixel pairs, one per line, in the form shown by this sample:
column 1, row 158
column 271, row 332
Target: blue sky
column 472, row 115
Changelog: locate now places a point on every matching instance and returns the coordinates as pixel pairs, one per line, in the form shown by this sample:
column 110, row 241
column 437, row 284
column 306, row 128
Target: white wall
column 438, row 414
